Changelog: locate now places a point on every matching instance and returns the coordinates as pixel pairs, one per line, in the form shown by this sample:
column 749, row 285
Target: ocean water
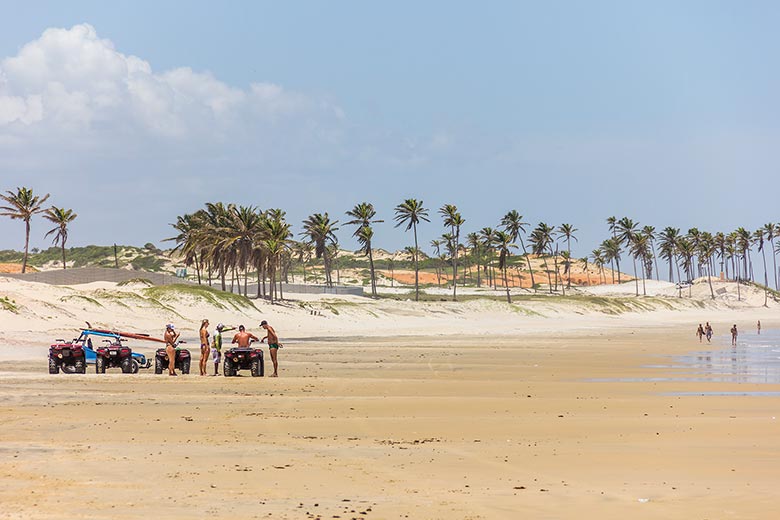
column 754, row 360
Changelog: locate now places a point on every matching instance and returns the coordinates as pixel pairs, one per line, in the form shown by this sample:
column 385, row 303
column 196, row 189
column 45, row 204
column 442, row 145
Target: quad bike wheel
column 227, row 368
column 53, row 367
column 185, row 366
column 127, row 365
column 100, row 365
column 136, row 367
column 80, row 367
column 158, row 368
column 257, row 368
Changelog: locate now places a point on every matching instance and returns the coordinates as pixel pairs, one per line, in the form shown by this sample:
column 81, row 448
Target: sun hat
column 170, row 326
column 220, row 326
column 263, row 323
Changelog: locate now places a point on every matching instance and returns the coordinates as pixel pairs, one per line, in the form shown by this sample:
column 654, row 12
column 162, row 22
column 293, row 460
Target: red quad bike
column 183, row 360
column 243, row 358
column 112, row 354
column 68, row 357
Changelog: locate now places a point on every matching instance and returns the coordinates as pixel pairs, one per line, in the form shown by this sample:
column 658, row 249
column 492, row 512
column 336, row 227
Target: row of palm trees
column 23, row 204
column 695, row 253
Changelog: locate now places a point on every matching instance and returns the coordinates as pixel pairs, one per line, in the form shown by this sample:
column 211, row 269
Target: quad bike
column 243, row 358
column 182, row 362
column 112, row 354
column 73, row 356
column 68, row 357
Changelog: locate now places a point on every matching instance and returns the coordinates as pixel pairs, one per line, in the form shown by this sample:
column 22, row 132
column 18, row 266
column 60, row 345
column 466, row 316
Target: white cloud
column 73, row 84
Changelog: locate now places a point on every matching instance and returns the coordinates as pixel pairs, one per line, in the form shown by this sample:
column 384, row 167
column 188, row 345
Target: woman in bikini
column 205, row 349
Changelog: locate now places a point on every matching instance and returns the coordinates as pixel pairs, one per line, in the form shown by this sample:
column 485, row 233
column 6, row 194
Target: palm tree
column 187, row 244
column 567, row 231
column 687, row 252
column 611, row 250
column 454, row 220
column 669, row 240
column 321, row 231
column 514, row 225
column 436, row 245
column 706, row 252
column 475, row 244
column 411, row 212
column 541, row 244
column 61, row 218
column 488, row 235
column 612, row 223
column 639, row 248
column 303, row 251
column 627, row 233
column 363, row 216
column 770, row 229
column 758, row 237
column 649, row 232
column 22, row 205
column 599, row 261
column 503, row 242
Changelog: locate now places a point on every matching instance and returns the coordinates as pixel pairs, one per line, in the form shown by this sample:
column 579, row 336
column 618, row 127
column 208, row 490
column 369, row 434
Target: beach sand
column 419, row 427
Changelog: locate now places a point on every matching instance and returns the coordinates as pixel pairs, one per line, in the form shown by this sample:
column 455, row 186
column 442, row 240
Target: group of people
column 706, row 332
column 213, row 348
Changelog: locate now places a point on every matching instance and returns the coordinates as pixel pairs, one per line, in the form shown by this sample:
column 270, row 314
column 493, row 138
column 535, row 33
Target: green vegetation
column 8, row 305
column 215, row 297
column 148, row 263
column 87, row 299
column 138, row 281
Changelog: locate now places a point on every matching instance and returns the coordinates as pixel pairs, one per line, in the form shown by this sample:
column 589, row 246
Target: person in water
column 204, row 346
column 171, row 337
column 734, row 335
column 273, row 345
column 758, row 326
column 700, row 332
column 708, row 331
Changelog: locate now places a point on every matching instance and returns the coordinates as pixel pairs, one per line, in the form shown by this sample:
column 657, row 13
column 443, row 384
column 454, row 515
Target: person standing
column 273, row 345
column 216, row 348
column 700, row 332
column 171, row 337
column 204, row 346
column 708, row 331
column 734, row 335
column 758, row 326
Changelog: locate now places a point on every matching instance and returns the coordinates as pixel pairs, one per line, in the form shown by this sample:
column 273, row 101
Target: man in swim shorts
column 734, row 335
column 273, row 345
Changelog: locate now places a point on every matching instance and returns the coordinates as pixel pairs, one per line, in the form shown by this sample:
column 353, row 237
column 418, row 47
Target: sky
column 132, row 113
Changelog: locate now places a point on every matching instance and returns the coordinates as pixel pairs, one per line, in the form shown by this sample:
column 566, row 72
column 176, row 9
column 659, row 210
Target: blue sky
column 135, row 112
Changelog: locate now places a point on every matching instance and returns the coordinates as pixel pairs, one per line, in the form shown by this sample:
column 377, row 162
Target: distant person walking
column 708, row 331
column 273, row 345
column 170, row 337
column 244, row 338
column 204, row 346
column 700, row 332
column 734, row 335
column 758, row 326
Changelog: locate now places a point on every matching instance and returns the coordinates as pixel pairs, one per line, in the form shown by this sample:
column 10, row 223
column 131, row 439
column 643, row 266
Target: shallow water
column 754, row 360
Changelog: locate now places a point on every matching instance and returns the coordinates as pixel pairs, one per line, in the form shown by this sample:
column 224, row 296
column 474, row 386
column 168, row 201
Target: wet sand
column 424, row 427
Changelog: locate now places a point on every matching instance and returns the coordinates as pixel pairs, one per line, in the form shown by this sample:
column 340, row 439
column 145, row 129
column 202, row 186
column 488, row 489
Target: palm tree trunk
column 636, row 279
column 416, row 267
column 774, row 260
column 455, row 269
column 506, row 284
column 766, row 280
column 63, row 254
column 371, row 265
column 26, row 245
